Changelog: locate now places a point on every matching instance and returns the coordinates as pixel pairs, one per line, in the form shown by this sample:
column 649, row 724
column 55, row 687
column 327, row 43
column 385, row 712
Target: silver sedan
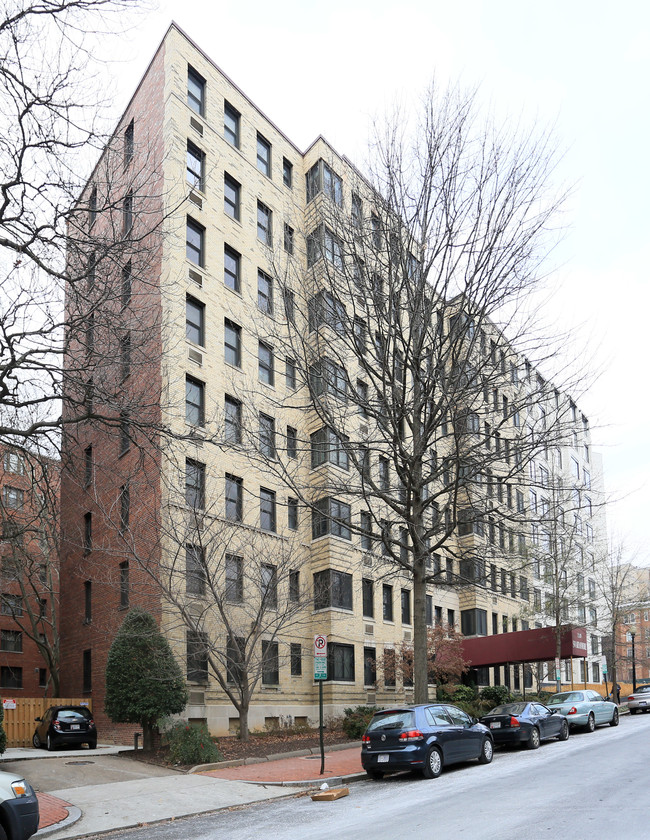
column 639, row 701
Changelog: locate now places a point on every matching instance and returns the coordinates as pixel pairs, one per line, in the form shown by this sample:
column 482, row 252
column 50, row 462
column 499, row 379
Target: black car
column 61, row 725
column 425, row 738
column 525, row 723
column 19, row 811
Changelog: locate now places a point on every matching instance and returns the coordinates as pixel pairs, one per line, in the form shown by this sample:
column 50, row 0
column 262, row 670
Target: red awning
column 525, row 646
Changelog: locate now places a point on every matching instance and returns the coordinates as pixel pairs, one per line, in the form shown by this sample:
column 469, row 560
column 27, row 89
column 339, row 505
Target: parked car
column 525, row 723
column 584, row 708
column 425, row 738
column 60, row 725
column 18, row 808
column 639, row 701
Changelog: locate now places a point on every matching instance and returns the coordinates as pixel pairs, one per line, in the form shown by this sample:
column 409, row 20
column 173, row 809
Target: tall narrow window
column 88, row 466
column 269, row 586
column 127, row 213
column 194, row 311
column 126, row 284
column 88, row 532
column 88, row 601
column 234, row 498
column 267, row 510
column 195, row 166
column 265, row 364
column 125, row 507
column 232, row 420
column 264, row 224
column 264, row 292
column 232, row 343
column 195, row 577
column 129, row 137
column 194, row 484
column 124, row 584
column 231, row 196
column 267, row 435
column 125, row 356
column 287, row 173
column 231, row 268
column 125, row 432
column 234, row 579
column 194, row 242
column 231, row 121
column 263, row 155
column 292, row 514
column 194, row 401
column 195, row 91
column 92, row 206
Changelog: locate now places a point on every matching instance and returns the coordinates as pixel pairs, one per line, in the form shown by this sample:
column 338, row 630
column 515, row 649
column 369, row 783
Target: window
column 267, row 510
column 328, row 377
column 366, row 531
column 129, row 136
column 292, row 442
column 292, row 514
column 88, row 601
column 326, row 309
column 322, row 242
column 194, row 401
column 87, row 672
column 92, row 270
column 387, row 602
column 263, row 156
column 127, row 213
column 291, row 374
column 195, row 166
column 294, row 585
column 194, row 321
column 322, row 177
column 234, row 498
column 13, row 497
column 289, row 305
column 330, row 516
column 332, row 589
column 197, row 656
column 232, row 269
column 194, row 484
column 474, row 622
column 295, row 656
column 124, row 585
column 11, row 641
column 287, row 173
column 264, row 292
column 231, row 121
column 232, row 343
column 231, row 196
column 384, row 473
column 195, row 91
column 14, row 463
column 269, row 586
column 125, row 356
column 265, row 363
column 194, row 570
column 326, row 447
column 288, row 238
column 125, row 508
column 340, row 662
column 235, row 648
column 232, row 420
column 194, row 242
column 367, row 592
column 264, row 224
column 11, row 677
column 357, row 211
column 270, row 663
column 125, row 432
column 375, row 225
column 406, row 606
column 88, row 532
column 234, row 579
column 126, row 285
column 267, row 435
column 11, row 605
column 92, row 208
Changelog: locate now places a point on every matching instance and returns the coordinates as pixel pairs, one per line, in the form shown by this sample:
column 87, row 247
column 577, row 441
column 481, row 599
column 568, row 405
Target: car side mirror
column 474, row 721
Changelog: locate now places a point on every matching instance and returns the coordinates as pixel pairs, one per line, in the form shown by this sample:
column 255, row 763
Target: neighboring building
column 196, row 341
column 29, row 572
column 636, row 623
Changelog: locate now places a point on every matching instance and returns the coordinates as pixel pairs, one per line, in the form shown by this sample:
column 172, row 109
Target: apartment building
column 245, row 491
column 29, row 573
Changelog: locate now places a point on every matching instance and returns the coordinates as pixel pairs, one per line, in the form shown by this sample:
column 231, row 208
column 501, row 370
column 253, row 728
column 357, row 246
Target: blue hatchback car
column 425, row 738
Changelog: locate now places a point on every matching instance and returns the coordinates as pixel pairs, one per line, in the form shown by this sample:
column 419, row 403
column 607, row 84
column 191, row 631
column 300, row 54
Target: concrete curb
column 74, row 814
column 239, row 762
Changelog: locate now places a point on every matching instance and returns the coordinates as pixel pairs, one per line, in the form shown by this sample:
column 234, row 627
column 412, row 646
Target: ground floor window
column 340, row 662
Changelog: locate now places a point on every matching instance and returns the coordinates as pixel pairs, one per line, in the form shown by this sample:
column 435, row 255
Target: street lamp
column 632, row 635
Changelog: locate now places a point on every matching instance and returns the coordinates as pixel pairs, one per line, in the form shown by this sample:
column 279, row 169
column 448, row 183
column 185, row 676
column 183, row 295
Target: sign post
column 320, row 674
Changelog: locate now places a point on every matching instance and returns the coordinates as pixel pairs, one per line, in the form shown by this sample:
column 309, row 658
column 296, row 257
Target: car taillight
column 514, row 721
column 365, row 739
column 631, row 697
column 91, row 723
column 411, row 735
column 56, row 723
column 572, row 711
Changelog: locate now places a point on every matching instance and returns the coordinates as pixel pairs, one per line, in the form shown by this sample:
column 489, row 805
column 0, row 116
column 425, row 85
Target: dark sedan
column 425, row 738
column 65, row 725
column 525, row 723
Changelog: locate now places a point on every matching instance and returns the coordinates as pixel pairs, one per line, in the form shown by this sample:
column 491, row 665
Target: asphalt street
column 593, row 787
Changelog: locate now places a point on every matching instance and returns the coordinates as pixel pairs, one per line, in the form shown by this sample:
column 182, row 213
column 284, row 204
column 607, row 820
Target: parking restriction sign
column 320, row 645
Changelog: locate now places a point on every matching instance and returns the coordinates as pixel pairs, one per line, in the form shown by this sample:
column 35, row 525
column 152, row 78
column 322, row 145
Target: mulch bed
column 257, row 746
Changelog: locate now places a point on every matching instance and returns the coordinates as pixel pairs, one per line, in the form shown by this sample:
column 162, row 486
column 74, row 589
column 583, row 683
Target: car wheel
column 432, row 764
column 3, row 833
column 614, row 720
column 633, row 711
column 487, row 752
column 375, row 774
column 533, row 741
column 36, row 741
column 92, row 745
column 591, row 722
column 50, row 743
column 564, row 732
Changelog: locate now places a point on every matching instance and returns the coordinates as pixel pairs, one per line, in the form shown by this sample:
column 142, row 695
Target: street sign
column 604, row 661
column 320, row 667
column 320, row 645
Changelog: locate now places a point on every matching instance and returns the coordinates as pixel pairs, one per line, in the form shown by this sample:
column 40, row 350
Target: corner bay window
column 332, row 589
column 330, row 516
column 326, row 447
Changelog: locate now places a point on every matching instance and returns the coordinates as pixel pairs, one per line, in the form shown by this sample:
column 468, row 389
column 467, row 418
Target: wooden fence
column 19, row 722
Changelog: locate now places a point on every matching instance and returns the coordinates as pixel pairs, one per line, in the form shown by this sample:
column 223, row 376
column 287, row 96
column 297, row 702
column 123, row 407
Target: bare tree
column 412, row 338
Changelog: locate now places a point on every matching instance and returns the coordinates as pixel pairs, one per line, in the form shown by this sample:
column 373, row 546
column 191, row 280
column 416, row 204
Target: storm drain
column 79, row 763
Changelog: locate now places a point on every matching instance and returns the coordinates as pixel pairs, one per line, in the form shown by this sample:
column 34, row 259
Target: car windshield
column 509, row 709
column 73, row 715
column 402, row 719
column 643, row 688
column 567, row 697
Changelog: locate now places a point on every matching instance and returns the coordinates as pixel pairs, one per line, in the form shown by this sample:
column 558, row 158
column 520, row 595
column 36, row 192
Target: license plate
column 495, row 725
column 642, row 703
column 74, row 726
column 382, row 759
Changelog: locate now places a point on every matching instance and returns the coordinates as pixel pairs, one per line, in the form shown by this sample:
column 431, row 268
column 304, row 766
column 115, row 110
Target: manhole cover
column 79, row 763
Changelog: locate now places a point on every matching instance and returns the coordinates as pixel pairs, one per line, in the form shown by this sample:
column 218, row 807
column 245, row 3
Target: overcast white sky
column 317, row 68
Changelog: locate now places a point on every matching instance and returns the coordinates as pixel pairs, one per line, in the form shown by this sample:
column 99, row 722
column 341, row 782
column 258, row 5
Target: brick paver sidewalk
column 295, row 769
column 52, row 810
